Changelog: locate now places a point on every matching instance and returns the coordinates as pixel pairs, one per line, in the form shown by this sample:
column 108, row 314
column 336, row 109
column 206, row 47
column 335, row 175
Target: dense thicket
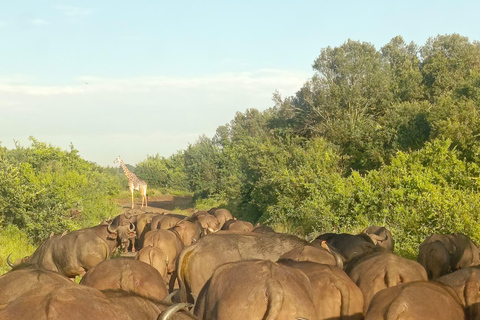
column 389, row 136
column 47, row 189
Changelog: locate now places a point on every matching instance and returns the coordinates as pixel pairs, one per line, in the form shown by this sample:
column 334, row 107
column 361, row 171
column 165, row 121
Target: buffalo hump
column 416, row 300
column 197, row 263
column 128, row 275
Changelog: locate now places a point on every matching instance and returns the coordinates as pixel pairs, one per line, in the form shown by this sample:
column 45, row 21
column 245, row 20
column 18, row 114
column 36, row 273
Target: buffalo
column 416, row 300
column 167, row 241
column 335, row 295
column 156, row 258
column 237, row 225
column 197, row 263
column 128, row 275
column 322, row 255
column 73, row 254
column 347, row 245
column 443, row 253
column 125, row 228
column 166, row 221
column 172, row 219
column 381, row 236
column 380, row 270
column 466, row 283
column 256, row 289
column 262, row 229
column 187, row 231
column 222, row 215
column 208, row 222
column 37, row 294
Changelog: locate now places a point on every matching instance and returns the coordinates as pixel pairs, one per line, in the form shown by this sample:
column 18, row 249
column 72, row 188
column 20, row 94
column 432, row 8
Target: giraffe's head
column 118, row 160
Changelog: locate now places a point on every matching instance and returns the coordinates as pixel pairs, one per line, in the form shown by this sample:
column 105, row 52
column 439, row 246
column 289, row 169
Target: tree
column 202, row 167
column 450, row 64
column 406, row 77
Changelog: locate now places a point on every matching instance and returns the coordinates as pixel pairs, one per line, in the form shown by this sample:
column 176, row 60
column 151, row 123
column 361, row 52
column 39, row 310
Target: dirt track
column 162, row 203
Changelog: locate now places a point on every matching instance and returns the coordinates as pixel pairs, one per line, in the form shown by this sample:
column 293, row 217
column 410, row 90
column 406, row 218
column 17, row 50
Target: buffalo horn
column 10, row 263
column 338, row 258
column 110, row 230
column 167, row 313
column 376, row 238
column 170, row 296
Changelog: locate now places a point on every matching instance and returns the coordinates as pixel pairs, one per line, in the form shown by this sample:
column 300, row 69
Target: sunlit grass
column 15, row 242
column 207, row 204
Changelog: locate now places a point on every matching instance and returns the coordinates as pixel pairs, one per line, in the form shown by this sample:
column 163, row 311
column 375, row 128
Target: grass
column 15, row 242
column 207, row 204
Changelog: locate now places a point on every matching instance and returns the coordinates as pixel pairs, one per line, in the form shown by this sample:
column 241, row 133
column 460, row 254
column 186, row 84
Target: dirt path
column 162, row 203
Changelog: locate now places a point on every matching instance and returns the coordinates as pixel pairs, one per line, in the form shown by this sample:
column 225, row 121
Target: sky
column 139, row 78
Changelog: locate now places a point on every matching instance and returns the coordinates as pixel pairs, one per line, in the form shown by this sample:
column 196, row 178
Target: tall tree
column 202, row 166
column 449, row 63
column 406, row 77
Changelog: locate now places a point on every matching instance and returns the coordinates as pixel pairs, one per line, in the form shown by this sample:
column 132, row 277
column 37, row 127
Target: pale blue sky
column 133, row 78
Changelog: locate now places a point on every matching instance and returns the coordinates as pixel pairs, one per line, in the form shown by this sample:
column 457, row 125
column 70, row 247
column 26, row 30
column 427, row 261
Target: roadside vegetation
column 388, row 137
column 375, row 137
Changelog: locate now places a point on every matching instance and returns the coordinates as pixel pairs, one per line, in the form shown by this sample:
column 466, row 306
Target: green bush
column 420, row 193
column 47, row 189
column 14, row 242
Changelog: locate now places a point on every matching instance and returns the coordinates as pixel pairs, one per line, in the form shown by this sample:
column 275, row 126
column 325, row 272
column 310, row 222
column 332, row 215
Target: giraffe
column 133, row 182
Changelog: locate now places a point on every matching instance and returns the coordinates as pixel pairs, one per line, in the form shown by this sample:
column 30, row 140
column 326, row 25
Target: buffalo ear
column 112, row 236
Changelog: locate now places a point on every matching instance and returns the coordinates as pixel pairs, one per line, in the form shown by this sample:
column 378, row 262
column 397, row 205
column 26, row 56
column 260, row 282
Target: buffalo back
column 256, row 289
column 197, row 263
column 128, row 275
column 416, row 300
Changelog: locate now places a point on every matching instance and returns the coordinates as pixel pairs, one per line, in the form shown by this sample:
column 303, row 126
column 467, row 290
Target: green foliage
column 350, row 100
column 386, row 137
column 421, row 193
column 450, row 65
column 47, row 189
column 14, row 242
column 406, row 78
column 354, row 77
column 202, row 167
column 160, row 172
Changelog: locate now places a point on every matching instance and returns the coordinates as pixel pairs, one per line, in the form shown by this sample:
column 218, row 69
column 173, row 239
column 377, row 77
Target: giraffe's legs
column 131, row 191
column 143, row 192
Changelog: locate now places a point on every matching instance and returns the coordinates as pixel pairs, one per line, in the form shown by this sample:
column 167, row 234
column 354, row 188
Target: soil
column 163, row 203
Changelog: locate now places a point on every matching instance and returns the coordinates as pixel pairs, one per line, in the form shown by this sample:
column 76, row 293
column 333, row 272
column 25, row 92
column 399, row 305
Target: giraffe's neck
column 127, row 172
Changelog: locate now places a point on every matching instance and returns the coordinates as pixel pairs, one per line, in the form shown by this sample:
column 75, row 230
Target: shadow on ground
column 171, row 202
column 166, row 202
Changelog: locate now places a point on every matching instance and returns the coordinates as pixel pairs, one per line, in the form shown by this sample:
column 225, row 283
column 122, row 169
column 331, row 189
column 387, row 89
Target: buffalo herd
column 212, row 266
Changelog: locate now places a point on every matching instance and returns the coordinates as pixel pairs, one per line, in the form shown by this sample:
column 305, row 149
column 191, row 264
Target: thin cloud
column 39, row 90
column 39, row 22
column 251, row 81
column 134, row 115
column 72, row 11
